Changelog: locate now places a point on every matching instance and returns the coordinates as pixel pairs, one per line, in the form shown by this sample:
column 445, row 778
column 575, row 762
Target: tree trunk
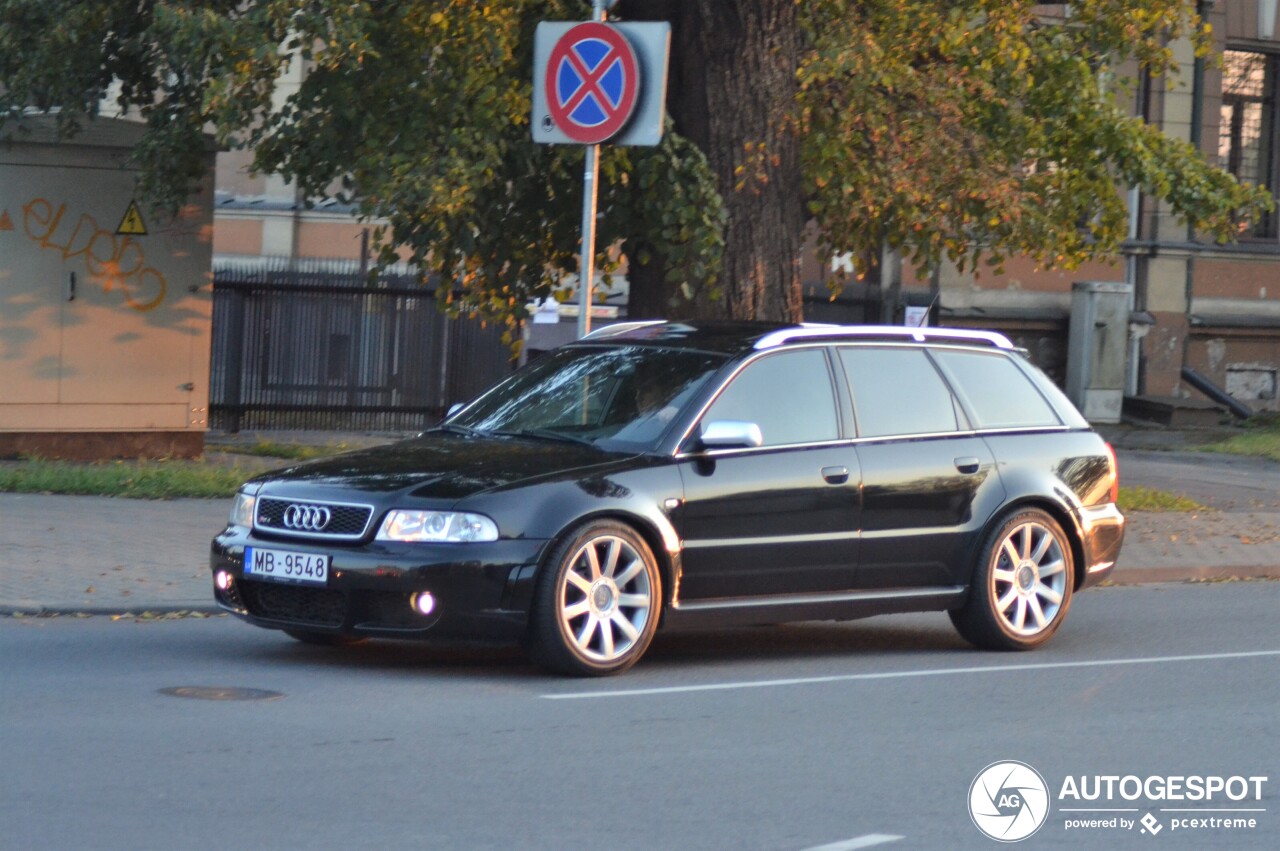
column 731, row 91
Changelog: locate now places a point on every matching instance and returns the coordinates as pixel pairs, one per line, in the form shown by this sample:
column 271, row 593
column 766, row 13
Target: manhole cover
column 221, row 693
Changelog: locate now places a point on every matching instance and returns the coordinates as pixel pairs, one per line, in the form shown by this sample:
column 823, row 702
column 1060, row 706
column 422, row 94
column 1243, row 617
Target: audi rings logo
column 307, row 518
column 1008, row 801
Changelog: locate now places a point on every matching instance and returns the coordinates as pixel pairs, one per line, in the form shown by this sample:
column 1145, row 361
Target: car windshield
column 615, row 397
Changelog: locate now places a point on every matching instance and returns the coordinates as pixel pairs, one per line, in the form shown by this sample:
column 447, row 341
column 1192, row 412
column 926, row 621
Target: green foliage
column 976, row 129
column 964, row 129
column 681, row 221
column 418, row 112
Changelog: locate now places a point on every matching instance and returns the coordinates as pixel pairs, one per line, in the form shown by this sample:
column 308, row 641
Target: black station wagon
column 671, row 474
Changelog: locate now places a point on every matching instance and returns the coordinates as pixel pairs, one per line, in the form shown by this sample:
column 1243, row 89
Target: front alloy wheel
column 1022, row 588
column 597, row 602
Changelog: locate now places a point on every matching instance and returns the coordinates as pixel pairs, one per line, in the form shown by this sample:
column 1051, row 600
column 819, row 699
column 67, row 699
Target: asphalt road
column 859, row 735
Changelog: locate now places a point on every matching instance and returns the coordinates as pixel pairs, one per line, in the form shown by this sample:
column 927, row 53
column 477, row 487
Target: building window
column 1246, row 131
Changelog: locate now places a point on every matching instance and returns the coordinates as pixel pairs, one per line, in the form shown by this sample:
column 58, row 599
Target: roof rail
column 886, row 332
column 619, row 328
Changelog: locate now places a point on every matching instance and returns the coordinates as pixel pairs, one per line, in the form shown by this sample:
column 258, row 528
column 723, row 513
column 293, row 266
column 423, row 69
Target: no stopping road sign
column 595, row 82
column 592, row 82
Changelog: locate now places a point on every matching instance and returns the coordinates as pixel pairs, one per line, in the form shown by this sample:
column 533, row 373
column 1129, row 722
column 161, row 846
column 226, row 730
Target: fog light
column 424, row 603
column 222, row 579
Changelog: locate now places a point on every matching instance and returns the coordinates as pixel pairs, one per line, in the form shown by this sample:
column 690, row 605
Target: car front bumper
column 481, row 591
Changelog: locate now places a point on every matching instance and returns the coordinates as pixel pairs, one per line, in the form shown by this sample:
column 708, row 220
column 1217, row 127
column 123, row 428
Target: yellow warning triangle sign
column 6, row 223
column 132, row 224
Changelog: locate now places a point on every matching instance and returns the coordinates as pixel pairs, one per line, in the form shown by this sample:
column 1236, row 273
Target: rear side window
column 789, row 395
column 998, row 393
column 897, row 391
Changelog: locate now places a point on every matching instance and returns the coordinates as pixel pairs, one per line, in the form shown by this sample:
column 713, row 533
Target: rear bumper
column 481, row 591
column 1103, row 533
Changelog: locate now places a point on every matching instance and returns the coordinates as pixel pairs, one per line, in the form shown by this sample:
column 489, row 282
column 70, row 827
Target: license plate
column 286, row 566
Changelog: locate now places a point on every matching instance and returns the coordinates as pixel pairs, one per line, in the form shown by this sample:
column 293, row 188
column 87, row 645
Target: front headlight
column 242, row 510
column 440, row 526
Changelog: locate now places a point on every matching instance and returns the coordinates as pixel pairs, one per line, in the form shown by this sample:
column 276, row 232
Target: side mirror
column 731, row 434
column 453, row 409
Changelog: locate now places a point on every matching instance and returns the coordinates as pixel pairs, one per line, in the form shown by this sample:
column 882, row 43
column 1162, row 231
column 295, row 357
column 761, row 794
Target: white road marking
column 866, row 841
column 892, row 675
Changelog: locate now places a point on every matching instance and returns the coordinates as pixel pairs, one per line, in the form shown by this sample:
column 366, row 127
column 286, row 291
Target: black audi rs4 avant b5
column 669, row 474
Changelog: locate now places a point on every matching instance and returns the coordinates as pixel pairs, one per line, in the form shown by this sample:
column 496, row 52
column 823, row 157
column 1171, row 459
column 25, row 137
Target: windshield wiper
column 548, row 434
column 454, row 428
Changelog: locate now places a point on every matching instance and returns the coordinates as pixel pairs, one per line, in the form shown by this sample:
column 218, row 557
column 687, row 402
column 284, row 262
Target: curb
column 28, row 610
column 1153, row 575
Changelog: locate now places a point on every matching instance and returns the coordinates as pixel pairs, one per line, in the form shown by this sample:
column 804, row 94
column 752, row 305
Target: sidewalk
column 99, row 555
column 1238, row 537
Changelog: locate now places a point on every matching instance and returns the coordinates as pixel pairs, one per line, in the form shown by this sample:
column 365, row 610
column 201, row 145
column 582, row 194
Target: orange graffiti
column 117, row 262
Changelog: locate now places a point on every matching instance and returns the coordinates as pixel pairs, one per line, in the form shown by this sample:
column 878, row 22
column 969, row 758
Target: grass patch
column 129, row 479
column 1261, row 438
column 290, row 451
column 1139, row 498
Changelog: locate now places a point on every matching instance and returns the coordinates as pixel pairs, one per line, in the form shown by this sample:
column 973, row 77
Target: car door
column 929, row 483
column 781, row 518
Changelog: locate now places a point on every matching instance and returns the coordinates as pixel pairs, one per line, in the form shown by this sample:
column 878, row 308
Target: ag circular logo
column 1008, row 801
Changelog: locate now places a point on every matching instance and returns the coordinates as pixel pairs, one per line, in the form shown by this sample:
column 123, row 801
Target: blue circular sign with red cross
column 593, row 82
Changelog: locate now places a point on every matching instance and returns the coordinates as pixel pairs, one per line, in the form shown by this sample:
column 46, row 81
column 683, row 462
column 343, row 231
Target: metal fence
column 322, row 350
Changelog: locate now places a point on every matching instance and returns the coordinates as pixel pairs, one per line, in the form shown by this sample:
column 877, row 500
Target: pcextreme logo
column 1008, row 801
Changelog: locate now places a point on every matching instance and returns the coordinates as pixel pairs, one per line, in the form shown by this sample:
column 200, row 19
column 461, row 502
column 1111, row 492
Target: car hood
column 437, row 466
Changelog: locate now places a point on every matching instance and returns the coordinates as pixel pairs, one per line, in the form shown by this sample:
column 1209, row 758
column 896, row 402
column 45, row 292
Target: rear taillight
column 1114, row 494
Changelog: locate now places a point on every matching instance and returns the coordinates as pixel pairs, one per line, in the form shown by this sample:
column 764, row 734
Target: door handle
column 967, row 465
column 835, row 475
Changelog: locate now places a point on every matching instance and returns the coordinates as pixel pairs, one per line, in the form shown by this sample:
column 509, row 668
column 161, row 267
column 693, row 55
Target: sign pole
column 587, row 266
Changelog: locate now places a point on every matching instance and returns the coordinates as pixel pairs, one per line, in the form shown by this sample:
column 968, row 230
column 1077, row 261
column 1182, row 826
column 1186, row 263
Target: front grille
column 317, row 606
column 326, row 607
column 345, row 521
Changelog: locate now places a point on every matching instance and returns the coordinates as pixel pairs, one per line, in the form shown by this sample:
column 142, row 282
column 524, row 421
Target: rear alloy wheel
column 596, row 603
column 1021, row 589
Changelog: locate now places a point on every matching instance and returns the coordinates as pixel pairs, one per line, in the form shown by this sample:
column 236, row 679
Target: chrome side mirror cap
column 731, row 434
column 453, row 409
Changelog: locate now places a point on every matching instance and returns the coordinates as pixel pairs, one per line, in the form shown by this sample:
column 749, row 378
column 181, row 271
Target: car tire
column 324, row 639
column 596, row 602
column 1021, row 586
